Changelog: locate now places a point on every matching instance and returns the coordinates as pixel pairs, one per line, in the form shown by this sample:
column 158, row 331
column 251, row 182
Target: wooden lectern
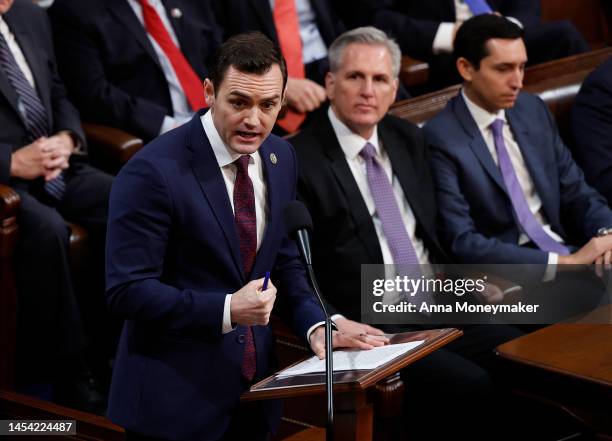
column 353, row 389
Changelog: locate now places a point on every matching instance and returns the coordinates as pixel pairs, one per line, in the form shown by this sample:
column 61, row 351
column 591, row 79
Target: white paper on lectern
column 346, row 360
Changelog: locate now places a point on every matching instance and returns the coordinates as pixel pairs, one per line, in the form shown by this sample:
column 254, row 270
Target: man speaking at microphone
column 195, row 222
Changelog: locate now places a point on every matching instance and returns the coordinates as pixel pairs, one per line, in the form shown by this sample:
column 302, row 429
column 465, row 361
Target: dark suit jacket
column 110, row 66
column 238, row 16
column 31, row 28
column 414, row 23
column 172, row 256
column 476, row 217
column 344, row 237
column 592, row 129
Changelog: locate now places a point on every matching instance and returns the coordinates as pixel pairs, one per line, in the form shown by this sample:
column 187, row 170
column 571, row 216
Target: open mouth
column 246, row 135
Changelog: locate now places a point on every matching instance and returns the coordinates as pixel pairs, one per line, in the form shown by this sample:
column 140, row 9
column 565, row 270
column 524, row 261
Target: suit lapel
column 403, row 168
column 533, row 160
column 273, row 179
column 211, row 182
column 11, row 96
column 41, row 78
column 125, row 14
column 477, row 143
column 344, row 176
column 266, row 15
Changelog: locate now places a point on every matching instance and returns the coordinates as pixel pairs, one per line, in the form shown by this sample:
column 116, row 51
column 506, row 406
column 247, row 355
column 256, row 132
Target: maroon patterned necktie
column 246, row 226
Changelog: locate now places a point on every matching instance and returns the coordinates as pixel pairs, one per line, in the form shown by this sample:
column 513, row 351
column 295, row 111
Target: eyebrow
column 248, row 97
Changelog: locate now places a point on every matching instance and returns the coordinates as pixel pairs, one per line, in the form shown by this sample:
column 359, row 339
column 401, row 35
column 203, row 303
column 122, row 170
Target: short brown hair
column 251, row 52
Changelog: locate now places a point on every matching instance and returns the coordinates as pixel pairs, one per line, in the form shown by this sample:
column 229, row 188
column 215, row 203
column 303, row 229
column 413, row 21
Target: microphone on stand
column 299, row 223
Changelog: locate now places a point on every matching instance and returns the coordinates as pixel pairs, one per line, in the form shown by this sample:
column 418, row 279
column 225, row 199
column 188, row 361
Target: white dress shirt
column 351, row 145
column 313, row 46
column 17, row 53
column 226, row 158
column 483, row 120
column 180, row 105
column 443, row 41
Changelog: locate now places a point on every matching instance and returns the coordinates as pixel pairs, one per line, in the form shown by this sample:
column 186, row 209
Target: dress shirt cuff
column 316, row 325
column 227, row 315
column 551, row 268
column 516, row 21
column 443, row 41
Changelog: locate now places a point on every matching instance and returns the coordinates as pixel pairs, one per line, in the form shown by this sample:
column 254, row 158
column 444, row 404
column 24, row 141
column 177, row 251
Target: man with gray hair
column 365, row 178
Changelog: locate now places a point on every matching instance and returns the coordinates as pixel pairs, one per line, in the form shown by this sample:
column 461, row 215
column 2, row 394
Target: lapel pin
column 176, row 13
column 273, row 158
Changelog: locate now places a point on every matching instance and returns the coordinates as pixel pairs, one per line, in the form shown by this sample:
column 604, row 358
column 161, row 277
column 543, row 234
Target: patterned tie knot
column 368, row 152
column 497, row 126
column 242, row 163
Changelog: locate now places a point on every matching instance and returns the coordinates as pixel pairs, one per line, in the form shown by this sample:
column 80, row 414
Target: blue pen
column 266, row 280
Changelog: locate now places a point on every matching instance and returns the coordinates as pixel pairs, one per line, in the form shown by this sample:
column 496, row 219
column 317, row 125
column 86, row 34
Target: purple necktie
column 400, row 244
column 389, row 214
column 31, row 109
column 478, row 7
column 526, row 219
column 246, row 226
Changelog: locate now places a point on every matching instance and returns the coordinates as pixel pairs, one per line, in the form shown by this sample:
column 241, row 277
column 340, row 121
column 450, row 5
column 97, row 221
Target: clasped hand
column 46, row 157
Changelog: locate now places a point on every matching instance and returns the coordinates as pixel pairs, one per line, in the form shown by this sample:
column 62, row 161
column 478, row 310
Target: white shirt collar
column 483, row 117
column 222, row 152
column 350, row 142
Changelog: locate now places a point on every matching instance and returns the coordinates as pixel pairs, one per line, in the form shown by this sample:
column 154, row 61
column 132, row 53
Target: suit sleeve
column 81, row 62
column 139, row 224
column 457, row 228
column 592, row 129
column 65, row 115
column 581, row 206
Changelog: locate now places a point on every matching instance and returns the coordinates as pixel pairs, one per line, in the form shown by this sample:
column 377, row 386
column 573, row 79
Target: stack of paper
column 346, row 360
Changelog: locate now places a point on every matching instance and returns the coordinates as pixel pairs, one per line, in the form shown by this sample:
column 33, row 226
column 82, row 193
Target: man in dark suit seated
column 304, row 29
column 592, row 129
column 425, row 29
column 365, row 178
column 507, row 187
column 195, row 222
column 137, row 65
column 40, row 143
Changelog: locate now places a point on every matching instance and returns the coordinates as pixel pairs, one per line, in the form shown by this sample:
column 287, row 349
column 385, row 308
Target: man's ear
column 465, row 69
column 330, row 82
column 209, row 92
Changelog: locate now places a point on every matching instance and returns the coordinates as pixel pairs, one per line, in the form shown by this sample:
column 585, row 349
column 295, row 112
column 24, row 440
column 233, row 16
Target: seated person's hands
column 44, row 157
column 59, row 147
column 304, row 95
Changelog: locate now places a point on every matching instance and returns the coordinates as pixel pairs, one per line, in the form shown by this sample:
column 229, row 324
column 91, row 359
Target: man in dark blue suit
column 507, row 187
column 195, row 222
column 592, row 129
column 137, row 65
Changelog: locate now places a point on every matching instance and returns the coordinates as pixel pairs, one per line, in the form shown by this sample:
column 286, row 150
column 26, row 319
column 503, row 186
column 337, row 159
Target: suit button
column 240, row 338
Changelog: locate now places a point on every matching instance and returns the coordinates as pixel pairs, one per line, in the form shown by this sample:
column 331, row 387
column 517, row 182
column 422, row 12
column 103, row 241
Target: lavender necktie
column 478, row 7
column 31, row 108
column 400, row 244
column 389, row 214
column 526, row 219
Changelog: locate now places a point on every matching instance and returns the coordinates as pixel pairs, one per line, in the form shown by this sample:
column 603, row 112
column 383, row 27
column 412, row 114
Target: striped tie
column 31, row 109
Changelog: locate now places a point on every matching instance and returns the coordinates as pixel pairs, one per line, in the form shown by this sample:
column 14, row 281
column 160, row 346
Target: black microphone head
column 297, row 217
